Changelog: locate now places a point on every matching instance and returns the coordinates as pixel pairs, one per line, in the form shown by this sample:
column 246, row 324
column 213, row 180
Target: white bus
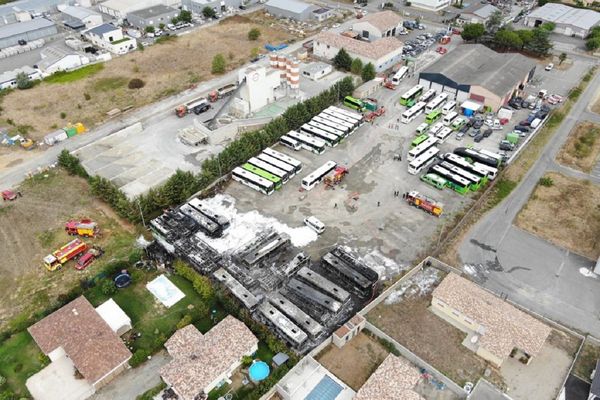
column 436, row 103
column 409, row 98
column 313, row 179
column 468, row 175
column 421, row 148
column 291, row 171
column 278, row 172
column 399, row 75
column 309, row 143
column 284, row 157
column 357, row 116
column 423, row 128
column 491, row 154
column 331, row 117
column 428, row 95
column 343, row 117
column 289, row 143
column 443, row 134
column 449, row 118
column 327, row 128
column 253, row 181
column 491, row 171
column 412, row 113
column 464, row 164
column 329, row 138
column 338, row 127
column 416, row 165
column 449, row 107
column 435, row 128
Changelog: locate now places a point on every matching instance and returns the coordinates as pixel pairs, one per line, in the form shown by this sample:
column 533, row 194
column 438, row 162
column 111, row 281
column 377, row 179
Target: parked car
column 441, row 50
column 313, row 223
column 549, row 67
column 488, row 132
column 506, row 146
column 525, row 122
column 478, row 138
column 521, row 128
column 477, row 123
column 459, row 135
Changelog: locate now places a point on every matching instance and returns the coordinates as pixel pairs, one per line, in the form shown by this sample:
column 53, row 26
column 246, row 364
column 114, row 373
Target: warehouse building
column 478, row 77
column 56, row 59
column 121, row 8
column 378, row 25
column 8, row 79
column 79, row 15
column 477, row 14
column 196, row 6
column 431, row 5
column 292, row 9
column 29, row 30
column 383, row 53
column 19, row 11
column 569, row 21
column 152, row 16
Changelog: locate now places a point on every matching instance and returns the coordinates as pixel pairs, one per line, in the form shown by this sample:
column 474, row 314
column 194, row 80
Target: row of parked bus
column 435, row 107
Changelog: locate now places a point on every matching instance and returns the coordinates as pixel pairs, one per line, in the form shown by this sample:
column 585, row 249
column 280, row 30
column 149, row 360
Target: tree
column 507, row 39
column 342, row 60
column 494, row 22
column 23, row 81
column 254, row 34
column 208, row 12
column 174, row 20
column 540, row 43
column 161, row 26
column 526, row 36
column 357, row 66
column 149, row 29
column 472, row 32
column 204, row 288
column 593, row 43
column 218, row 64
column 548, row 26
column 186, row 16
column 368, row 72
column 561, row 58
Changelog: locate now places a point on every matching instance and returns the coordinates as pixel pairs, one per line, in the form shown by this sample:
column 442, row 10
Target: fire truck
column 418, row 200
column 69, row 251
column 84, row 227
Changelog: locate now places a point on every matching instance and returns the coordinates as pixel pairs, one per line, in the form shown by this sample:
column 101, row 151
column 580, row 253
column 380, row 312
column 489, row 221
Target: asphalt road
column 546, row 279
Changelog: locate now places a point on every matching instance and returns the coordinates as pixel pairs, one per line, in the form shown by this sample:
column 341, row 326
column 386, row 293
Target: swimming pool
column 258, row 371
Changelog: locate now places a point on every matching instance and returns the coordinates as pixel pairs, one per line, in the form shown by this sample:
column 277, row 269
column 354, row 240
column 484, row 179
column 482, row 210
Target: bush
column 23, row 81
column 208, row 12
column 357, row 66
column 63, row 115
column 108, row 287
column 87, row 96
column 71, row 164
column 546, row 181
column 254, row 34
column 149, row 394
column 149, row 29
column 3, row 380
column 184, row 321
column 218, row 64
column 368, row 72
column 138, row 357
column 136, row 83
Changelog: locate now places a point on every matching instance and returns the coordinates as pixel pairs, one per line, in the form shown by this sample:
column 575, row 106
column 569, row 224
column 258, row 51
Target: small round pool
column 258, row 371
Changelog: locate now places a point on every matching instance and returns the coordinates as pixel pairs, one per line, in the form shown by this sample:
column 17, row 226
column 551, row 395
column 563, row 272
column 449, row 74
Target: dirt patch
column 586, row 362
column 582, row 148
column 566, row 213
column 363, row 353
column 166, row 69
column 33, row 226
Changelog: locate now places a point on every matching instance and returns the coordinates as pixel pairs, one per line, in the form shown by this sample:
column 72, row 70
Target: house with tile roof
column 378, row 25
column 495, row 329
column 201, row 362
column 394, row 379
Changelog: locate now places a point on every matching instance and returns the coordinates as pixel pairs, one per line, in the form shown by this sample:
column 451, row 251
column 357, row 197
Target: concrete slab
column 57, row 382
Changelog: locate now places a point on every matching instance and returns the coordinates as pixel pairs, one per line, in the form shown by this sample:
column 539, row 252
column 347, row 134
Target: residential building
column 394, row 379
column 110, row 38
column 495, row 329
column 56, row 59
column 316, row 70
column 569, row 21
column 378, row 25
column 201, row 362
column 196, row 6
column 152, row 16
column 8, row 79
column 477, row 13
column 383, row 53
column 76, row 336
column 85, row 16
column 431, row 5
column 474, row 72
column 322, row 14
column 292, row 9
column 37, row 28
column 347, row 331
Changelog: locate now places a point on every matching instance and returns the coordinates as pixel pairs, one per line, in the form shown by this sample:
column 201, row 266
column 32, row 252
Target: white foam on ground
column 246, row 226
column 419, row 284
column 587, row 273
column 384, row 266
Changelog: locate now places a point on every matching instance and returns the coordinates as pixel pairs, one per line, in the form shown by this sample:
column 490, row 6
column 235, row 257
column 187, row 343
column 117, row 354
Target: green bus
column 434, row 180
column 263, row 174
column 410, row 98
column 353, row 103
column 418, row 140
column 433, row 116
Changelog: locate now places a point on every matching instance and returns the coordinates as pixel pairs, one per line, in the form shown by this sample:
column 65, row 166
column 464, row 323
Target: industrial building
column 478, row 77
column 378, row 25
column 477, row 13
column 431, row 5
column 316, row 70
column 383, row 53
column 152, row 16
column 110, row 38
column 21, row 10
column 8, row 79
column 78, row 15
column 55, row 59
column 196, row 6
column 121, row 8
column 29, row 30
column 569, row 21
column 292, row 9
column 322, row 14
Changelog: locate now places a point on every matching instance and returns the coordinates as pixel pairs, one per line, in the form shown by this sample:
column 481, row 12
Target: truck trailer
column 197, row 106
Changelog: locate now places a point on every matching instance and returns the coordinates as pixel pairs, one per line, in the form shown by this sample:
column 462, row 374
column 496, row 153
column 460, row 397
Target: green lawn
column 81, row 73
column 19, row 359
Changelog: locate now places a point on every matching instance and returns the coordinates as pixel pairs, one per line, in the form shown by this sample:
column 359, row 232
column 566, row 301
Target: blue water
column 326, row 389
column 258, row 371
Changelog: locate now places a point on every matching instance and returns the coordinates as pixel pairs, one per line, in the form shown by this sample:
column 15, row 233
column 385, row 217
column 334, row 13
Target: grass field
column 586, row 362
column 86, row 95
column 19, row 359
column 565, row 212
column 32, row 227
column 582, row 148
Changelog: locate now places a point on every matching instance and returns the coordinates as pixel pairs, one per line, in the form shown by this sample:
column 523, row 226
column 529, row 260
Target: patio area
column 58, row 382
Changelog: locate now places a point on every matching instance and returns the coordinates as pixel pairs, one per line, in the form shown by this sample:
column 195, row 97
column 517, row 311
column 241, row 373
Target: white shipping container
column 505, row 113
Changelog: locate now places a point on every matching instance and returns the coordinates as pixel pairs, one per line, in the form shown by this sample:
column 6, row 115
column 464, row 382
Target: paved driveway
column 57, row 382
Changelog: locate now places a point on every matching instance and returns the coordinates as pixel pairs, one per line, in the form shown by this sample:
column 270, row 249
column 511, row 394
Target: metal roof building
column 472, row 71
column 120, row 8
column 569, row 21
column 152, row 16
column 30, row 30
column 293, row 9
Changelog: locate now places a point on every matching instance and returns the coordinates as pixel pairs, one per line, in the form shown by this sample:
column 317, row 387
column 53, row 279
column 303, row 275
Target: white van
column 449, row 107
column 423, row 128
column 314, row 224
column 448, row 118
column 535, row 123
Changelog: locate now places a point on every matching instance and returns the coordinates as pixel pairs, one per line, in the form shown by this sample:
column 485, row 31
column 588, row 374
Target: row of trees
column 182, row 184
column 344, row 62
column 184, row 16
column 593, row 40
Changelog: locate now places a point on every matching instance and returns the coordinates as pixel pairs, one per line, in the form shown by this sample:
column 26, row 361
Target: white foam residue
column 384, row 266
column 587, row 273
column 246, row 226
column 419, row 285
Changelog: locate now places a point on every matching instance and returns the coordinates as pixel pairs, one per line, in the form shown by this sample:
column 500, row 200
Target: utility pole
column 141, row 213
